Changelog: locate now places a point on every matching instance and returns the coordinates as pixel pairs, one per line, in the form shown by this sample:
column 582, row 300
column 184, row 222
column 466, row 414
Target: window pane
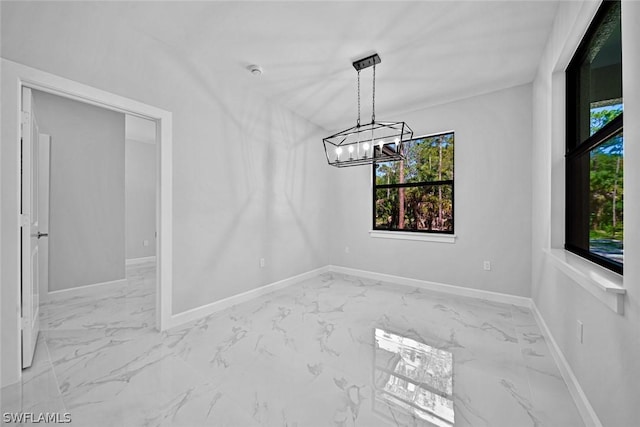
column 427, row 159
column 427, row 208
column 599, row 76
column 387, row 173
column 594, row 161
column 606, row 199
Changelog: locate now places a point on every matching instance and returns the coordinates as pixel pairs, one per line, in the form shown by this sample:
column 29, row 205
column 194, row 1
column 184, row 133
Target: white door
column 43, row 212
column 30, row 232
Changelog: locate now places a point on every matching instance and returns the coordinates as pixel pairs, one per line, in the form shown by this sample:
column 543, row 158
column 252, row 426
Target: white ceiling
column 432, row 51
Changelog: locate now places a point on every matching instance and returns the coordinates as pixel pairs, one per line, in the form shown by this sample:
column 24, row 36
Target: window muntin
column 595, row 143
column 416, row 194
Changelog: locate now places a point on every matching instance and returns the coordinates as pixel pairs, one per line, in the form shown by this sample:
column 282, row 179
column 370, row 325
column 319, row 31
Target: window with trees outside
column 595, row 149
column 416, row 194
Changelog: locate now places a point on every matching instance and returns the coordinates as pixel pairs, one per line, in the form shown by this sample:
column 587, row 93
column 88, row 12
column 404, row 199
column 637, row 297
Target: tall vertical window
column 416, row 194
column 595, row 148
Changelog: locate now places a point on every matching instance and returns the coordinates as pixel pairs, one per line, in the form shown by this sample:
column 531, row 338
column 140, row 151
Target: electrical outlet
column 145, row 243
column 487, row 265
column 347, row 250
column 262, row 262
column 580, row 332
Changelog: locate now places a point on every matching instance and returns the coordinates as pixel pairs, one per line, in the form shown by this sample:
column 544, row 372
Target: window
column 595, row 149
column 416, row 194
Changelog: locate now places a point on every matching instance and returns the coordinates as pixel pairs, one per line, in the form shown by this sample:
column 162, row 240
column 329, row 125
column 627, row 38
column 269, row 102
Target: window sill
column 598, row 281
column 424, row 237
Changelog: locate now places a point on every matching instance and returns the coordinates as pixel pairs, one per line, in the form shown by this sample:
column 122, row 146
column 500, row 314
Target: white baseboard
column 85, row 289
column 434, row 286
column 205, row 310
column 585, row 409
column 134, row 261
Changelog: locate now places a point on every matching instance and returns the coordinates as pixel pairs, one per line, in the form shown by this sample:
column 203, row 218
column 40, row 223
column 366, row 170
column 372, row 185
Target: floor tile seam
column 538, row 396
column 528, row 383
column 55, row 375
column 519, row 332
column 521, row 355
column 515, row 313
column 528, row 359
column 208, row 376
column 109, row 374
column 231, row 399
column 204, row 380
column 233, row 396
column 529, row 369
column 192, row 368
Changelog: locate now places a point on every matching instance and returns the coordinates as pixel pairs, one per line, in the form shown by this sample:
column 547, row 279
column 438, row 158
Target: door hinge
column 24, row 118
column 24, row 220
column 25, row 323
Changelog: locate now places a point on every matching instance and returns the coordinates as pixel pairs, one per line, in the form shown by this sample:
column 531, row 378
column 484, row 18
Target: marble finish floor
column 334, row 350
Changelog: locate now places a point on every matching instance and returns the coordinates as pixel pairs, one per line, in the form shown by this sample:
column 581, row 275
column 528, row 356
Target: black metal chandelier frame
column 373, row 142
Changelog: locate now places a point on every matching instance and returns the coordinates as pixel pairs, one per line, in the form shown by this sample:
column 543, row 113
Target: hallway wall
column 86, row 228
column 140, row 199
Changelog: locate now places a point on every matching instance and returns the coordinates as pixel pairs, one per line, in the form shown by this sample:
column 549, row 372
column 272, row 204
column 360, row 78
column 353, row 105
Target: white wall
column 492, row 201
column 86, row 216
column 249, row 177
column 607, row 364
column 140, row 198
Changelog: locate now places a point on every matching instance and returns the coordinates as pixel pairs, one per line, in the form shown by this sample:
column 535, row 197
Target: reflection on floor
column 331, row 351
column 413, row 376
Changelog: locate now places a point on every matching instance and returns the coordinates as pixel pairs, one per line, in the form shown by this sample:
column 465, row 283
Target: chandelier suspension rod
column 373, row 109
column 358, row 98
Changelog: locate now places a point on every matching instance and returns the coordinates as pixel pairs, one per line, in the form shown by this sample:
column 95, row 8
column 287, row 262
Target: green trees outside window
column 416, row 194
column 605, row 199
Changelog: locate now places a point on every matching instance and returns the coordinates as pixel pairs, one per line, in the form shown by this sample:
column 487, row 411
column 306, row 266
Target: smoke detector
column 256, row 70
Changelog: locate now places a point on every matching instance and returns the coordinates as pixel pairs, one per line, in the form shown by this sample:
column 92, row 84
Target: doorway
column 90, row 184
column 21, row 76
column 99, row 244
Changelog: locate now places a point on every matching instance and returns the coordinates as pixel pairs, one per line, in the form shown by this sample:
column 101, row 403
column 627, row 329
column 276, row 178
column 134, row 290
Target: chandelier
column 369, row 143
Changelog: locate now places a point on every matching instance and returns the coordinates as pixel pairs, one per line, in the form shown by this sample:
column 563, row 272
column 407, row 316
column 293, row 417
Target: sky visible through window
column 600, row 116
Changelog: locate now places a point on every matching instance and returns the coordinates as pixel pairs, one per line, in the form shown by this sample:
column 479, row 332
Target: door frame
column 19, row 75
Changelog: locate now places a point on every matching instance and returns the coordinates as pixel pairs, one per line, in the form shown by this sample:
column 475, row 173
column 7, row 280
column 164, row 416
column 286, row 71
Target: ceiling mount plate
column 367, row 62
